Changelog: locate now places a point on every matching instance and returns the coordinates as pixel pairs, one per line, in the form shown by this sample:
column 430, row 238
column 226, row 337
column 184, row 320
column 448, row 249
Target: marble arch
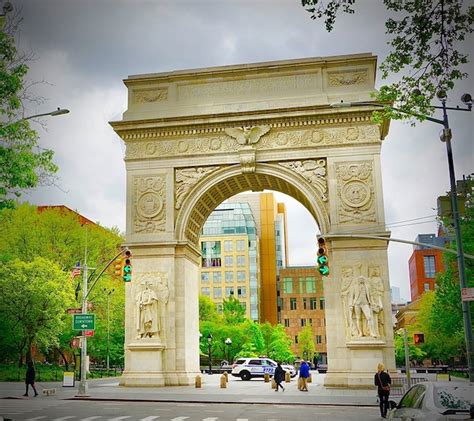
column 196, row 137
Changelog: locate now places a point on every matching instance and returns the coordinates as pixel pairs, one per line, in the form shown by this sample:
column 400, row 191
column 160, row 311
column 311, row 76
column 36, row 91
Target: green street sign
column 83, row 321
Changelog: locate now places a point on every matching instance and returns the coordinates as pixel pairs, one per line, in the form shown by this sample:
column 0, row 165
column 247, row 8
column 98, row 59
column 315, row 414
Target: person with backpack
column 383, row 381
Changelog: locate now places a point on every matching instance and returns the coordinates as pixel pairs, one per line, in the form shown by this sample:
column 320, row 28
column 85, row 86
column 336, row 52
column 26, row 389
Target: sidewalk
column 252, row 392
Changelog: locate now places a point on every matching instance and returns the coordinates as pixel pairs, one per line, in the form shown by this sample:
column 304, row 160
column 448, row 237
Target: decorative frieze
column 337, row 79
column 150, row 95
column 149, row 204
column 355, row 191
column 186, row 179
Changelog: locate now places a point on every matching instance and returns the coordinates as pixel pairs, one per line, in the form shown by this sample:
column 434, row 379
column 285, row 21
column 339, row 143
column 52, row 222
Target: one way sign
column 83, row 321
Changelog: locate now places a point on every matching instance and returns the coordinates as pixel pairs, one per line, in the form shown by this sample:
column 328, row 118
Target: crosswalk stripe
column 64, row 418
column 151, row 418
column 119, row 418
column 91, row 418
column 210, row 419
column 36, row 418
column 179, row 419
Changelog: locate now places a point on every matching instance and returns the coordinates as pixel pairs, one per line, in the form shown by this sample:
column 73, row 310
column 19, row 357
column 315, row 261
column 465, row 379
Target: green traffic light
column 323, row 270
column 322, row 260
column 127, row 277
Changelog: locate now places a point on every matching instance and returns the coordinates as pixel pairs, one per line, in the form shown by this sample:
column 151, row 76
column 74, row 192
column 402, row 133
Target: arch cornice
column 202, row 199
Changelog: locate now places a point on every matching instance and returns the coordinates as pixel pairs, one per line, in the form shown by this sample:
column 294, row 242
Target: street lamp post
column 209, row 349
column 228, row 343
column 108, row 325
column 445, row 137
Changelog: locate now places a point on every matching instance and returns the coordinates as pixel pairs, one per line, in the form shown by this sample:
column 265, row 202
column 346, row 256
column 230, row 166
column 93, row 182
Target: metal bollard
column 287, row 377
column 266, row 376
column 223, row 382
column 226, row 376
column 197, row 382
column 274, row 384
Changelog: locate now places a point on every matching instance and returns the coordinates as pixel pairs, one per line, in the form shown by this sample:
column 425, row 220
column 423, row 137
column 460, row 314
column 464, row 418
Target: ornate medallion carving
column 355, row 190
column 312, row 171
column 347, row 78
column 185, row 179
column 149, row 214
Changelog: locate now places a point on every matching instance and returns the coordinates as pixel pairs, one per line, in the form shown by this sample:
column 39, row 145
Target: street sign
column 83, row 321
column 89, row 333
column 467, row 294
column 74, row 311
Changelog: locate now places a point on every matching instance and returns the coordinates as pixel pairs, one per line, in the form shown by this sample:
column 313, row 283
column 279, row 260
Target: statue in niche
column 361, row 303
column 376, row 291
column 347, row 276
column 148, row 308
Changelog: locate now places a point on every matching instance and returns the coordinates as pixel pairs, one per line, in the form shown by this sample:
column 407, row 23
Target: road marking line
column 119, row 418
column 210, row 419
column 64, row 418
column 36, row 418
column 179, row 419
column 151, row 418
column 91, row 418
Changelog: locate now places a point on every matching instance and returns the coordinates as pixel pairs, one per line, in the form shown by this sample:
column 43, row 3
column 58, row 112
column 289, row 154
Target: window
column 219, row 308
column 305, row 303
column 229, row 276
column 321, row 303
column 318, row 339
column 313, row 303
column 429, row 264
column 292, row 303
column 240, row 245
column 240, row 261
column 255, row 362
column 310, row 285
column 217, row 277
column 301, row 285
column 240, row 276
column 243, row 304
column 287, row 322
column 296, row 339
column 205, row 277
column 426, row 286
column 229, row 261
column 217, row 292
column 287, row 285
column 282, row 303
column 310, row 322
column 303, row 322
column 228, row 245
column 242, row 292
column 211, row 254
column 229, row 291
column 206, row 292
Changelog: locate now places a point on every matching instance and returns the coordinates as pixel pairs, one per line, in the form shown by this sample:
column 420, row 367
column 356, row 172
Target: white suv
column 247, row 368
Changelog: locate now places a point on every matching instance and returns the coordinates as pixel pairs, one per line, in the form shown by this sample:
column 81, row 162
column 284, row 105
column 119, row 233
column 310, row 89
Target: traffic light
column 322, row 257
column 419, row 338
column 127, row 268
column 119, row 267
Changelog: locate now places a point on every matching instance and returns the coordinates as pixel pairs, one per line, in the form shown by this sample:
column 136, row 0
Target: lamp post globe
column 209, row 351
column 228, row 343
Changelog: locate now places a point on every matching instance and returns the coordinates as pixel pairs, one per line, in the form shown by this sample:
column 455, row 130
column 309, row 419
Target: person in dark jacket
column 279, row 376
column 304, row 374
column 383, row 381
column 30, row 378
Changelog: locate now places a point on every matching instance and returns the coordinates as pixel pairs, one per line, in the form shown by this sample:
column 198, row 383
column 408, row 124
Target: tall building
column 230, row 257
column 270, row 218
column 425, row 263
column 302, row 303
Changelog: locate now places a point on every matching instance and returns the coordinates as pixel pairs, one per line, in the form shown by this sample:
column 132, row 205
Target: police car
column 248, row 368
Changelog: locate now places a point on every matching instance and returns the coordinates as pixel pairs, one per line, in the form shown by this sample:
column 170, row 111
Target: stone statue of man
column 360, row 302
column 147, row 313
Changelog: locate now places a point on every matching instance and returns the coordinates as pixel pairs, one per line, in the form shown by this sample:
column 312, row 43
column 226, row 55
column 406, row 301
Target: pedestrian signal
column 127, row 268
column 419, row 338
column 119, row 267
column 323, row 266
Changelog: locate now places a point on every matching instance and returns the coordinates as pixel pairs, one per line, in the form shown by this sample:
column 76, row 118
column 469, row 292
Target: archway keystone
column 195, row 138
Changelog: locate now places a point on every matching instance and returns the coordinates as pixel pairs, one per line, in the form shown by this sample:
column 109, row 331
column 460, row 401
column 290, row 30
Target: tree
column 424, row 37
column 415, row 353
column 23, row 164
column 281, row 345
column 306, row 345
column 207, row 309
column 234, row 312
column 33, row 300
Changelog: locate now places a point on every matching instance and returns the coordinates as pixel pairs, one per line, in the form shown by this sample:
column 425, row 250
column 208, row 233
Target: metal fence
column 400, row 384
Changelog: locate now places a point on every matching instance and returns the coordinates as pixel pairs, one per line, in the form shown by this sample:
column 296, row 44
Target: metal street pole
column 407, row 358
column 446, row 137
column 83, row 382
column 108, row 331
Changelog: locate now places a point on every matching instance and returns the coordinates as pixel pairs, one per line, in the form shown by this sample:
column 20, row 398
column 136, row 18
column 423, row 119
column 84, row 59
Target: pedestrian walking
column 383, row 381
column 304, row 374
column 279, row 376
column 30, row 378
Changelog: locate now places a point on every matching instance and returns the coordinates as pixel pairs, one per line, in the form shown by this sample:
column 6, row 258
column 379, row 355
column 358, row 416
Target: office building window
column 321, row 303
column 310, row 285
column 429, row 264
column 229, row 291
column 310, row 322
column 228, row 245
column 426, row 286
column 242, row 292
column 240, row 261
column 313, row 303
column 217, row 292
column 303, row 322
column 240, row 245
column 288, row 285
column 240, row 276
column 205, row 277
column 217, row 277
column 206, row 292
column 318, row 339
column 282, row 303
column 229, row 276
column 292, row 303
column 211, row 254
column 305, row 303
column 287, row 322
column 229, row 261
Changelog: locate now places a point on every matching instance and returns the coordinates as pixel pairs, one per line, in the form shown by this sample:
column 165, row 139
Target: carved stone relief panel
column 149, row 204
column 150, row 95
column 313, row 171
column 337, row 79
column 356, row 192
column 362, row 301
column 186, row 179
column 151, row 294
column 146, row 145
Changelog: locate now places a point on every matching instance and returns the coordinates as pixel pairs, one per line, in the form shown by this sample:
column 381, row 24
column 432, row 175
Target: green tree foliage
column 33, row 300
column 424, row 35
column 207, row 309
column 415, row 353
column 306, row 346
column 234, row 312
column 23, row 164
column 281, row 345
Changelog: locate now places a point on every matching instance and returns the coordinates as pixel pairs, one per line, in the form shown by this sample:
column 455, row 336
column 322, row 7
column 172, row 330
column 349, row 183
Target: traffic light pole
column 82, row 391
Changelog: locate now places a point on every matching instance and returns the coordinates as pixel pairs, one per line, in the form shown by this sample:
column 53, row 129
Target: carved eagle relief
column 247, row 135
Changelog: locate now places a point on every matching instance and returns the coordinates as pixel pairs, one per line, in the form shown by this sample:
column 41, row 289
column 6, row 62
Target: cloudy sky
column 85, row 48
